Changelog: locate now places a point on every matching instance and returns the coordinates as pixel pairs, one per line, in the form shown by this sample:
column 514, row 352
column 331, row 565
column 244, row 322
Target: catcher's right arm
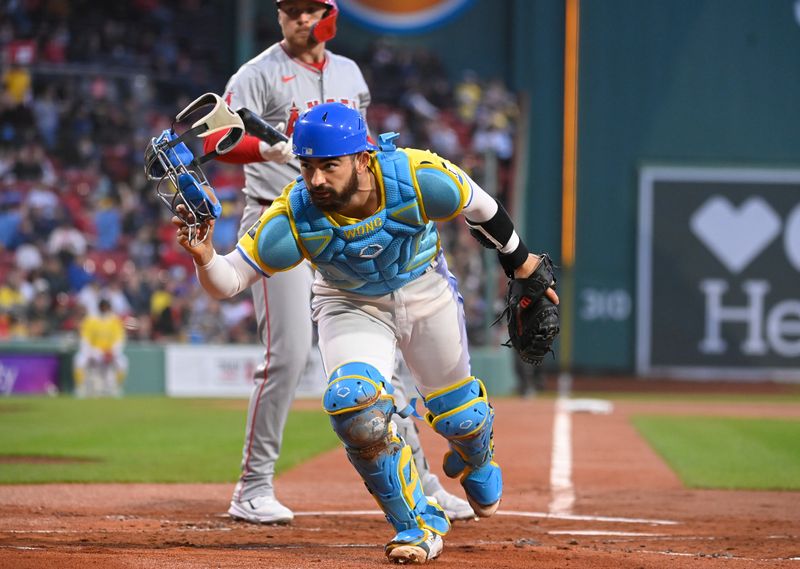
column 531, row 302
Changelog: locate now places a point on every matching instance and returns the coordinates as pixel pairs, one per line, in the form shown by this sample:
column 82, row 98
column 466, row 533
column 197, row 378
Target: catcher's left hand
column 532, row 314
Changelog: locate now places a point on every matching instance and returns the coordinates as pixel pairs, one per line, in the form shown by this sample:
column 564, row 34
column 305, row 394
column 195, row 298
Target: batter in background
column 280, row 83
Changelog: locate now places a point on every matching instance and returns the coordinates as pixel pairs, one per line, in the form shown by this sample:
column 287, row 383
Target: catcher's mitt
column 532, row 318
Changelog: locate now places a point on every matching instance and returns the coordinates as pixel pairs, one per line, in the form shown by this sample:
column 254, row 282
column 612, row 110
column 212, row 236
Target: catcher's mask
column 168, row 159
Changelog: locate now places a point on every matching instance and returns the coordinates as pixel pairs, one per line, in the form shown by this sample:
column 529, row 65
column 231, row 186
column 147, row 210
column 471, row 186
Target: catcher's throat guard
column 180, row 179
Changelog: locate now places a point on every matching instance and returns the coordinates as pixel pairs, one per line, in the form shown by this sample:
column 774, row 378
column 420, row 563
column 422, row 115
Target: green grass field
column 139, row 439
column 729, row 453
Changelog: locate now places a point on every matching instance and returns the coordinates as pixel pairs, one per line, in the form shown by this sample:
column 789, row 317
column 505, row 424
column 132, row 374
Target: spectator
column 70, row 148
column 65, row 237
column 11, row 297
column 171, row 322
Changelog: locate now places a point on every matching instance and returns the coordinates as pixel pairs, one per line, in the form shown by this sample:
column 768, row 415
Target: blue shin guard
column 360, row 404
column 462, row 414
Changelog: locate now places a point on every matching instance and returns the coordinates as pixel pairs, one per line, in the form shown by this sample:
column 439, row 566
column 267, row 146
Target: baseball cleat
column 453, row 506
column 261, row 510
column 483, row 511
column 456, row 508
column 412, row 547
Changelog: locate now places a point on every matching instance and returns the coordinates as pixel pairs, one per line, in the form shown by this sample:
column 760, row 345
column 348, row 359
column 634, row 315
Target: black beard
column 334, row 202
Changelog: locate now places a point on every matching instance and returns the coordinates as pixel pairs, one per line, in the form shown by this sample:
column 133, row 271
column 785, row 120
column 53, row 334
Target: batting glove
column 280, row 152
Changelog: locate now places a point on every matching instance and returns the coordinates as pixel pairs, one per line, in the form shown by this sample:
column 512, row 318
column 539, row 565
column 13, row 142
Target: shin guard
column 462, row 414
column 360, row 404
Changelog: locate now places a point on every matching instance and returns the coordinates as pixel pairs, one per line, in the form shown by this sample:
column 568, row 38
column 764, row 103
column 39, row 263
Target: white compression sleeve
column 481, row 206
column 226, row 276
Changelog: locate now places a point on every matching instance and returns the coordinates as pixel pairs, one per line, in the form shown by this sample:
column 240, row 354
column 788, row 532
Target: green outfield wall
column 678, row 82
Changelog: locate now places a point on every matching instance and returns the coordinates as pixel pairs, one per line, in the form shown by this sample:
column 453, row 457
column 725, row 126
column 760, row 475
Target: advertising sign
column 719, row 273
column 28, row 374
column 223, row 371
column 403, row 16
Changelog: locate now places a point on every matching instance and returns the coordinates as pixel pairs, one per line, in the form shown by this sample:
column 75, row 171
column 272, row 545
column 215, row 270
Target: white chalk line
column 561, row 489
column 591, row 532
column 542, row 515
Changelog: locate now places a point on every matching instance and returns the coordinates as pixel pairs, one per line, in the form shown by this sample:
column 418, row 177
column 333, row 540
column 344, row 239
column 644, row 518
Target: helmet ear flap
column 325, row 29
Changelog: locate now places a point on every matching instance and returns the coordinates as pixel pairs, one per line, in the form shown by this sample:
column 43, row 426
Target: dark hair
column 104, row 305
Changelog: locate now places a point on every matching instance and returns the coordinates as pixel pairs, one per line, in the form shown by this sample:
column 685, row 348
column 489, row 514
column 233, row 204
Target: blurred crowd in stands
column 84, row 87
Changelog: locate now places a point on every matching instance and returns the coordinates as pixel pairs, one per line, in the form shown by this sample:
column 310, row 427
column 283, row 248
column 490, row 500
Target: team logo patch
column 371, row 251
column 253, row 230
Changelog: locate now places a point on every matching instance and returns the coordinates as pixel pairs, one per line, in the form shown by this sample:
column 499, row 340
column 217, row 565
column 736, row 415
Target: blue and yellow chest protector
column 380, row 253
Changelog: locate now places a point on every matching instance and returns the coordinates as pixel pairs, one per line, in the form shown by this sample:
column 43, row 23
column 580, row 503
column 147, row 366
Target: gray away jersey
column 278, row 88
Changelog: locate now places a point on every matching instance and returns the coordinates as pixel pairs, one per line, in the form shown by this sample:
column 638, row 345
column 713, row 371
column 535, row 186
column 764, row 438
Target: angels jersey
column 278, row 87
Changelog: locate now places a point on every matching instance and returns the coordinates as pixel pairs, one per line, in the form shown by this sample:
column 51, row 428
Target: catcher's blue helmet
column 330, row 130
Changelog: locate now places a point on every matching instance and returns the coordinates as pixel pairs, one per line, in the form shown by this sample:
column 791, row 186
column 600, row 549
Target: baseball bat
column 258, row 127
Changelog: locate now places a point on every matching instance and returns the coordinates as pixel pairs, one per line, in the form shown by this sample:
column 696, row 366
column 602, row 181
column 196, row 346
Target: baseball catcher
column 366, row 215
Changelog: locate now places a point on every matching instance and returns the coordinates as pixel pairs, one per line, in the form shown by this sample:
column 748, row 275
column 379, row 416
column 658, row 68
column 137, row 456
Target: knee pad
column 462, row 414
column 360, row 404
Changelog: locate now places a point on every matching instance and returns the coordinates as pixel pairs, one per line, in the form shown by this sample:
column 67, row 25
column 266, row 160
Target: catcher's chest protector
column 380, row 253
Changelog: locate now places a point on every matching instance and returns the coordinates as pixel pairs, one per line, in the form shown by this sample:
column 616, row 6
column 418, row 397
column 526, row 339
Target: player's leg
column 435, row 349
column 282, row 310
column 359, row 352
column 456, row 508
column 79, row 373
column 118, row 373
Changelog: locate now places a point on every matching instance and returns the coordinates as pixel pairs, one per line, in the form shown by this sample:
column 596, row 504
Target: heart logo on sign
column 736, row 236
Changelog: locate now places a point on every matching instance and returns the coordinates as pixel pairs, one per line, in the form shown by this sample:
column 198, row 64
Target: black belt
column 262, row 201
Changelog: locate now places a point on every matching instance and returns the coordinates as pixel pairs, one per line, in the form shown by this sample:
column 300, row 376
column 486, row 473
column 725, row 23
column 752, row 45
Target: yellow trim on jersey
column 463, row 192
column 397, row 214
column 419, row 262
column 249, row 243
column 323, row 239
column 420, row 201
column 375, row 166
column 339, row 220
column 416, row 157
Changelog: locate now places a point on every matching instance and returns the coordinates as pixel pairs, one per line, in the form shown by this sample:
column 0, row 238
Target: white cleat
column 261, row 510
column 417, row 553
column 453, row 506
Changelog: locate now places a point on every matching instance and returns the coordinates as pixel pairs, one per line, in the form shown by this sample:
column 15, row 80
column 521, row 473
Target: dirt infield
column 630, row 511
